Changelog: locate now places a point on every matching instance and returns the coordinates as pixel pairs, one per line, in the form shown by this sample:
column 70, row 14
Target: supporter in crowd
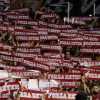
column 81, row 96
column 96, row 92
column 11, row 97
column 34, row 44
column 44, row 96
column 17, row 98
column 4, row 17
column 57, row 70
column 31, row 13
column 39, row 13
column 84, row 85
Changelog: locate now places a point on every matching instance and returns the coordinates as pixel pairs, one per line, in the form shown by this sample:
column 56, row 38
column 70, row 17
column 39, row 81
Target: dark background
column 76, row 10
column 62, row 10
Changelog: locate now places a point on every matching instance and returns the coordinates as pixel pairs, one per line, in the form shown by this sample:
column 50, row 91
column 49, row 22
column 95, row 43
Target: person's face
column 96, row 89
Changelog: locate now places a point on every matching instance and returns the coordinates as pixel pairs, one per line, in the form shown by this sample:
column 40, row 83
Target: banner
column 52, row 54
column 37, row 65
column 50, row 47
column 8, row 56
column 22, row 32
column 48, row 37
column 61, row 96
column 79, row 43
column 52, row 96
column 55, row 26
column 89, row 63
column 51, row 15
column 25, row 74
column 27, row 38
column 64, row 77
column 21, row 49
column 69, row 35
column 11, row 58
column 80, row 38
column 46, row 59
column 94, row 76
column 79, row 59
column 26, row 22
column 11, row 16
column 71, row 84
column 90, row 50
column 71, row 43
column 73, row 77
column 11, row 86
column 18, row 55
column 12, row 68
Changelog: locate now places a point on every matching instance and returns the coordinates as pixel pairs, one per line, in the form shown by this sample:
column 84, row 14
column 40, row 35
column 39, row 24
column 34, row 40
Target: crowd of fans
column 10, row 42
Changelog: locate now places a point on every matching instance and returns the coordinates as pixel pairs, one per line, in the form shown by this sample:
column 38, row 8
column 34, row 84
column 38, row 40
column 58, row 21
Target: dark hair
column 81, row 96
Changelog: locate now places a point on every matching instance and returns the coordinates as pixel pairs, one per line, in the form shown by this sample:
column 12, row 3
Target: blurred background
column 77, row 7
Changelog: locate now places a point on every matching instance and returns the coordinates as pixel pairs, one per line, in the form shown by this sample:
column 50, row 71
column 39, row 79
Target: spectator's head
column 81, row 96
column 96, row 89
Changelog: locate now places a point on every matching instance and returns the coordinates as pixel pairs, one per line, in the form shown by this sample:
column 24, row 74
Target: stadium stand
column 62, row 58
